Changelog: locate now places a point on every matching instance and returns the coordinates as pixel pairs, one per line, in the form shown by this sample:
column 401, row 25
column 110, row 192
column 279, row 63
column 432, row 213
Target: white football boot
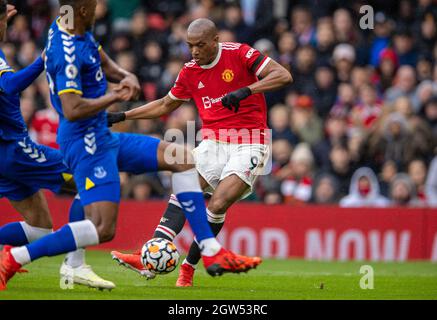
column 85, row 276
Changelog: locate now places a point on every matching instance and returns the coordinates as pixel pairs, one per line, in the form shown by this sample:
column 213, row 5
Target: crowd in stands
column 358, row 126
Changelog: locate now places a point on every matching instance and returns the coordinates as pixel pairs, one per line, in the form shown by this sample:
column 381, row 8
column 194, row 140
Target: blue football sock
column 68, row 238
column 189, row 194
column 61, row 241
column 13, row 234
column 77, row 213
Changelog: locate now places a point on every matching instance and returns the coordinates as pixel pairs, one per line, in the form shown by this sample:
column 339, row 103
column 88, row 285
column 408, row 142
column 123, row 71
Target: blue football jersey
column 73, row 65
column 12, row 125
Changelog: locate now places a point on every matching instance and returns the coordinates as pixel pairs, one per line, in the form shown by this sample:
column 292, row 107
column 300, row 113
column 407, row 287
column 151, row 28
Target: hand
column 232, row 100
column 11, row 11
column 115, row 117
column 131, row 82
column 122, row 93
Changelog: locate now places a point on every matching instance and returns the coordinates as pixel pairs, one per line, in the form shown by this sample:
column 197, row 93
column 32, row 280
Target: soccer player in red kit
column 227, row 82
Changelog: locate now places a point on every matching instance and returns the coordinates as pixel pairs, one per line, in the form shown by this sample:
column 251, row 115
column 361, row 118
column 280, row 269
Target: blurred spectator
column 364, row 191
column 145, row 187
column 44, row 126
column 305, row 122
column 344, row 27
column 102, row 26
column 286, row 48
column 258, row 14
column 346, row 99
column 368, row 109
column 279, row 117
column 19, row 31
column 335, row 133
column 343, row 59
column 233, row 21
column 325, row 190
column 388, row 172
column 325, row 41
column 386, row 69
column 403, row 45
column 403, row 192
column 302, row 25
column 381, row 39
column 303, row 70
column 325, row 90
column 417, row 173
column 340, row 166
column 404, row 84
column 297, row 176
column 429, row 112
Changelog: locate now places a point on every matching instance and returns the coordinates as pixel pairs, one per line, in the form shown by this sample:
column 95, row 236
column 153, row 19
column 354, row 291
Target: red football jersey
column 236, row 66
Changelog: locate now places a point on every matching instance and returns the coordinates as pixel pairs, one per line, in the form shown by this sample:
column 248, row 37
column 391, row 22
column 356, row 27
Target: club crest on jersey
column 228, row 75
column 99, row 172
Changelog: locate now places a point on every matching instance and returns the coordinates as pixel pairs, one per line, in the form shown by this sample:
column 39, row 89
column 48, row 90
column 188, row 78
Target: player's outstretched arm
column 16, row 82
column 151, row 110
column 117, row 74
column 76, row 108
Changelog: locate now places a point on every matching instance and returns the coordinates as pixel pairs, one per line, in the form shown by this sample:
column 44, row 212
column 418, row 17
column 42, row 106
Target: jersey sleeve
column 253, row 60
column 68, row 69
column 4, row 66
column 180, row 90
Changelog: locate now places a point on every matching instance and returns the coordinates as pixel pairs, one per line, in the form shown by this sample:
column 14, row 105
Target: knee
column 184, row 159
column 106, row 232
column 218, row 206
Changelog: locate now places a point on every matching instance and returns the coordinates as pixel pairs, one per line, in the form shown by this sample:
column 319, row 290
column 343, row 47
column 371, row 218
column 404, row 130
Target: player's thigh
column 245, row 163
column 138, row 153
column 34, row 209
column 210, row 159
column 228, row 191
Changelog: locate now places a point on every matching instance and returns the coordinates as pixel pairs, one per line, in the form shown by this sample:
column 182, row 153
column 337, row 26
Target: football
column 160, row 256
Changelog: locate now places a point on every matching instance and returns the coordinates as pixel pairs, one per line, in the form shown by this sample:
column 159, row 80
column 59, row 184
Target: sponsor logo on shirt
column 208, row 102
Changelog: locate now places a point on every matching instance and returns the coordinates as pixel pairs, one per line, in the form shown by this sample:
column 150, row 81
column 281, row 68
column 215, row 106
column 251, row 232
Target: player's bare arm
column 76, row 108
column 117, row 74
column 273, row 77
column 151, row 110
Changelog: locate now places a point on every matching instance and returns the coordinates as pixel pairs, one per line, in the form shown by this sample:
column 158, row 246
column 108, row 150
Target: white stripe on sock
column 21, row 255
column 84, row 233
column 215, row 218
column 174, row 200
column 173, row 234
column 34, row 233
column 186, row 262
column 168, row 234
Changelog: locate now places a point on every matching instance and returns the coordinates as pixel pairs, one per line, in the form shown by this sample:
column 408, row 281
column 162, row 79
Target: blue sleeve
column 68, row 66
column 14, row 82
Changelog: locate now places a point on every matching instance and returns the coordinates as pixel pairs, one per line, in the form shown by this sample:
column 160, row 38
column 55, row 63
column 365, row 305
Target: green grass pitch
column 274, row 279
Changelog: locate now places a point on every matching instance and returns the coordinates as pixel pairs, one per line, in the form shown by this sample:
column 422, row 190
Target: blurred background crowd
column 358, row 127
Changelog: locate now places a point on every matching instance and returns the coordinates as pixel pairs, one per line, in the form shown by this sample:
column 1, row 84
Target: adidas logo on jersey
column 201, row 85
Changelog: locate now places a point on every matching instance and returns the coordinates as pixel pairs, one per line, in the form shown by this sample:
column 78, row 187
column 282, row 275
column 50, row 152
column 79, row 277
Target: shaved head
column 202, row 39
column 203, row 27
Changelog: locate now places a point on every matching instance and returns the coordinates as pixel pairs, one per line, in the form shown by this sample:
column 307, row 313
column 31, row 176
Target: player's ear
column 83, row 11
